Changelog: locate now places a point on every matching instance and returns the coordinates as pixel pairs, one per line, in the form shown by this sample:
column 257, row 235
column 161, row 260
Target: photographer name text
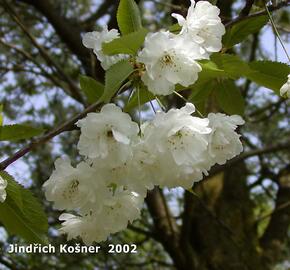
column 70, row 249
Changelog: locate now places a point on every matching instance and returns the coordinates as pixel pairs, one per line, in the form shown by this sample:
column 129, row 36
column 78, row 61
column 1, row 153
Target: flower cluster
column 122, row 161
column 170, row 59
column 285, row 89
column 3, row 185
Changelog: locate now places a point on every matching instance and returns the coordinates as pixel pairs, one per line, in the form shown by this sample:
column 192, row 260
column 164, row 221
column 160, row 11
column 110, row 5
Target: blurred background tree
column 237, row 218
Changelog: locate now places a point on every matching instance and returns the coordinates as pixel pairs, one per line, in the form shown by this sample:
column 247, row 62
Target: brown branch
column 252, row 57
column 73, row 88
column 169, row 5
column 167, row 237
column 277, row 209
column 69, row 31
column 275, row 235
column 266, row 108
column 66, row 126
column 247, row 8
column 187, row 227
column 142, row 231
column 257, row 14
column 32, row 59
column 9, row 265
column 89, row 22
column 257, row 152
column 21, row 69
column 269, row 114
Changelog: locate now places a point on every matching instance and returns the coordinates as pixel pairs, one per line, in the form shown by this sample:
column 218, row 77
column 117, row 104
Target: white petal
column 120, row 137
column 180, row 19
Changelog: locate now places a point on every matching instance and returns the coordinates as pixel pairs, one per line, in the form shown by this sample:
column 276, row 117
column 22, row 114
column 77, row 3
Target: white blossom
column 183, row 135
column 70, row 188
column 85, row 227
column 224, row 142
column 169, row 60
column 141, row 172
column 113, row 218
column 203, row 25
column 179, row 143
column 94, row 40
column 107, row 134
column 3, row 185
column 285, row 89
column 169, row 174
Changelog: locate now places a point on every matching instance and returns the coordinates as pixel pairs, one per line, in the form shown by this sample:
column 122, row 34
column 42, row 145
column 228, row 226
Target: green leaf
column 229, row 97
column 265, row 73
column 114, row 78
column 92, row 88
column 128, row 44
column 209, row 70
column 200, row 93
column 269, row 74
column 240, row 31
column 18, row 132
column 232, row 65
column 175, row 28
column 144, row 97
column 22, row 214
column 128, row 17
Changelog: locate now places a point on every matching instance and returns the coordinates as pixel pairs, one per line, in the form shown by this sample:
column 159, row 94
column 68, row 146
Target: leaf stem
column 139, row 106
column 183, row 98
column 160, row 103
column 152, row 106
column 276, row 32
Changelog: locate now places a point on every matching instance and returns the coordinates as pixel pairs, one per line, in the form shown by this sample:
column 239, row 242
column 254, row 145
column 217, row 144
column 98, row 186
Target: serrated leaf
column 92, row 88
column 229, row 97
column 22, row 214
column 18, row 132
column 233, row 66
column 269, row 74
column 240, row 31
column 128, row 17
column 114, row 78
column 128, row 44
column 200, row 93
column 209, row 70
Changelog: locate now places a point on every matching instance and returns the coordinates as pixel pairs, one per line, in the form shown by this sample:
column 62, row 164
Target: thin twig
column 277, row 32
column 172, row 6
column 66, row 126
column 246, row 155
column 277, row 209
column 74, row 89
column 266, row 108
column 247, row 8
column 257, row 14
column 139, row 106
column 32, row 59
